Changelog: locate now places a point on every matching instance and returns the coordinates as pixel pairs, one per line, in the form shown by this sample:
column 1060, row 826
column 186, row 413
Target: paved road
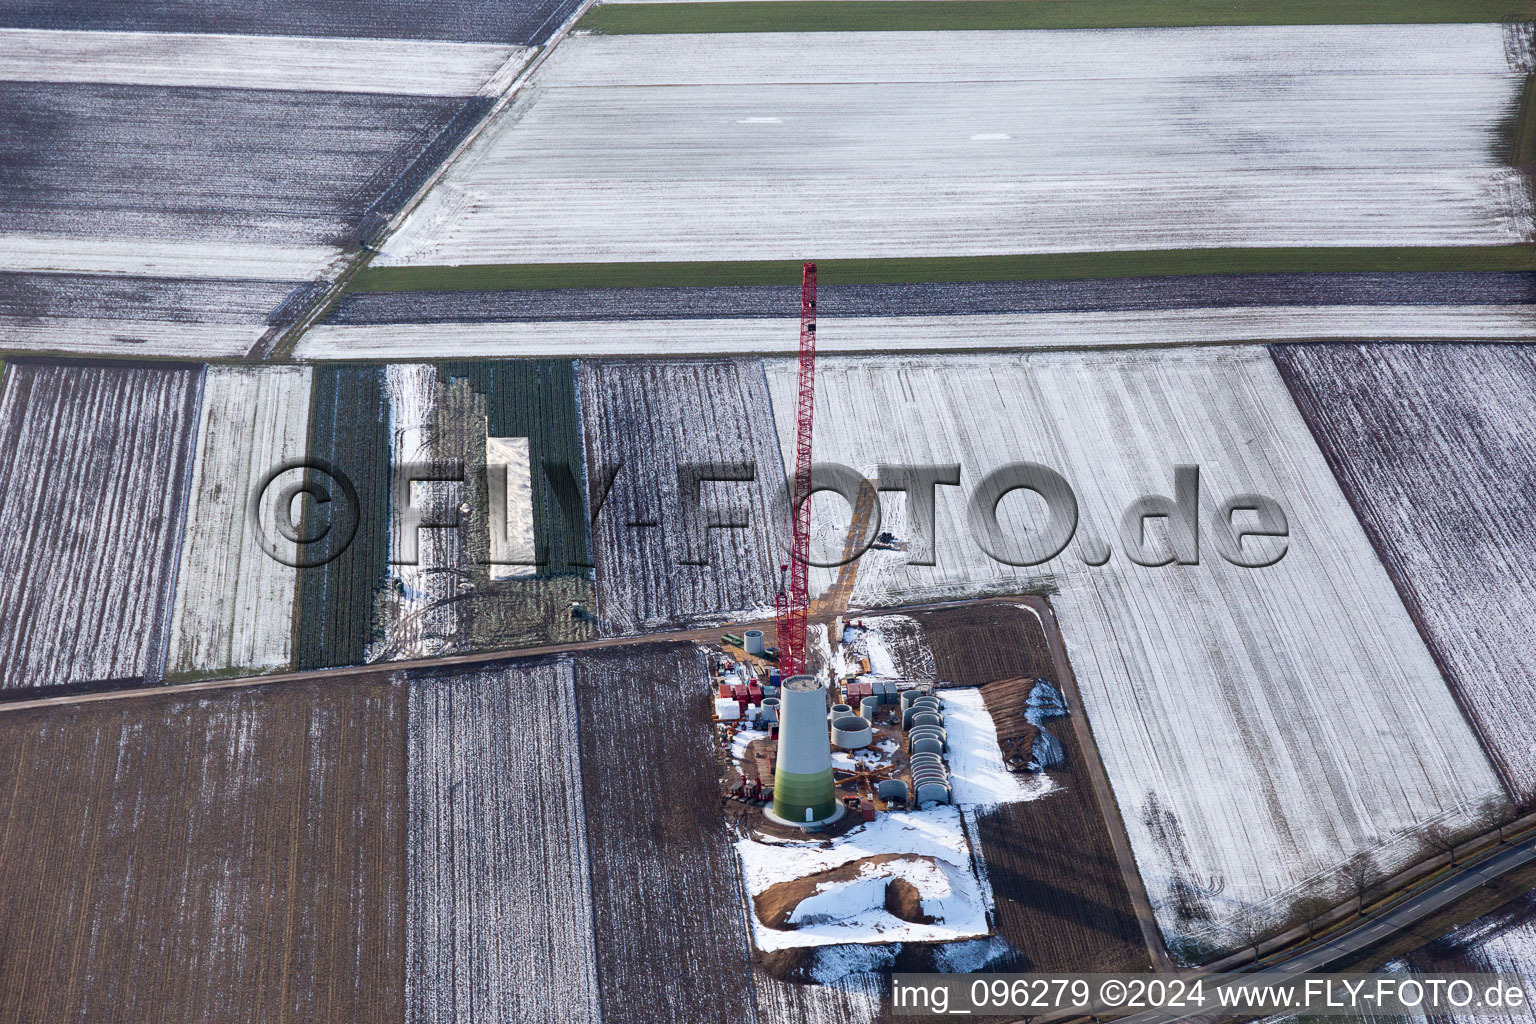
column 1373, row 929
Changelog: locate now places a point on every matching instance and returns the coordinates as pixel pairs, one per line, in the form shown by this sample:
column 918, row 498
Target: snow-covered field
column 406, row 67
column 92, row 500
column 845, row 145
column 498, row 885
column 234, row 601
column 418, row 617
column 1432, row 443
column 215, row 158
column 949, row 887
column 758, row 335
column 1259, row 725
column 1503, row 942
column 167, row 257
column 512, row 548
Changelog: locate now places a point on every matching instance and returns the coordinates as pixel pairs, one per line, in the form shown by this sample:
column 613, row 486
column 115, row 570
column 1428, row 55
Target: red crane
column 793, row 608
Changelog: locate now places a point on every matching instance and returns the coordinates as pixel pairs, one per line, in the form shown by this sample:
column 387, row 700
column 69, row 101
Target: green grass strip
column 1142, row 263
column 926, row 15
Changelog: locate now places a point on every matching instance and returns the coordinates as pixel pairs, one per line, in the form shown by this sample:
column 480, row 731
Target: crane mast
column 793, row 607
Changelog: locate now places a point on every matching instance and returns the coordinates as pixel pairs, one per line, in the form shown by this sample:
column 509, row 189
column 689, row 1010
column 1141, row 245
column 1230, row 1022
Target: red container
column 867, row 812
column 739, row 691
column 725, row 689
column 754, row 693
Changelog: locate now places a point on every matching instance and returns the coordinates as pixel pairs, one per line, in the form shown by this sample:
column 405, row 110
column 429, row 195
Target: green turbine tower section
column 803, row 790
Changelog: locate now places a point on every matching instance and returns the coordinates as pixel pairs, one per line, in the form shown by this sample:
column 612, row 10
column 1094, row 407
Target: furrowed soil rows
column 1431, row 445
column 968, row 332
column 92, row 497
column 1061, row 898
column 526, row 21
column 234, row 601
column 238, row 856
column 666, row 881
column 1319, row 724
column 249, row 62
column 644, row 423
column 235, row 165
column 349, row 430
column 500, row 896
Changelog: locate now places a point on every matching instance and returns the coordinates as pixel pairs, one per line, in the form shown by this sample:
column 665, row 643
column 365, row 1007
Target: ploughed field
column 234, row 855
column 143, row 537
column 92, row 494
column 1061, row 900
column 209, row 182
column 1433, row 449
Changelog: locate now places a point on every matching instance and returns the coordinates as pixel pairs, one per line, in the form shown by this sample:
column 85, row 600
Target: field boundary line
column 15, row 700
column 282, row 346
column 1103, row 791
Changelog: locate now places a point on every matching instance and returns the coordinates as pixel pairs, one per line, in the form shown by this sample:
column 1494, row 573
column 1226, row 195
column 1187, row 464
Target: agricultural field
column 235, row 855
column 349, row 430
column 672, row 942
column 423, row 295
column 244, row 167
column 1502, row 942
column 372, row 603
column 499, row 883
column 645, row 422
column 92, row 497
column 758, row 146
column 714, row 336
column 1061, row 899
column 1429, row 444
column 233, row 610
column 1324, row 728
column 528, row 21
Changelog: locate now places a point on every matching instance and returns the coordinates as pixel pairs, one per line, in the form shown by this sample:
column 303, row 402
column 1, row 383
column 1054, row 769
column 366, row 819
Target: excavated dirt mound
column 904, row 901
column 776, row 904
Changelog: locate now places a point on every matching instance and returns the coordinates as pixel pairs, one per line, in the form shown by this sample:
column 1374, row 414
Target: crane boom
column 794, row 608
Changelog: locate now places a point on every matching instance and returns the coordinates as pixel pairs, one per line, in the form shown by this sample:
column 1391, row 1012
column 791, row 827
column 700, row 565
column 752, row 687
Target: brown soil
column 775, row 904
column 671, row 943
column 982, row 643
column 1061, row 898
column 215, row 857
column 1006, row 701
column 902, row 900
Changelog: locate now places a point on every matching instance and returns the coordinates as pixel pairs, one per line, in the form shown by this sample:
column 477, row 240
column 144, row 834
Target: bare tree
column 1360, row 876
column 1249, row 922
column 1440, row 839
column 1310, row 909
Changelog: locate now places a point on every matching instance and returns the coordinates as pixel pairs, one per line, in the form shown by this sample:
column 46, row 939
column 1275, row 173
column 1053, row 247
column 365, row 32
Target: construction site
column 640, row 511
